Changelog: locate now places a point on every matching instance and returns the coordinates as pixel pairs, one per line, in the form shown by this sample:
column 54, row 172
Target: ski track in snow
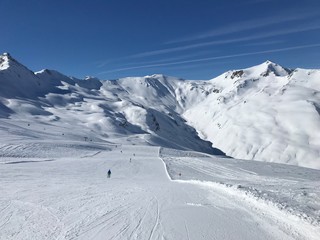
column 157, row 219
column 72, row 198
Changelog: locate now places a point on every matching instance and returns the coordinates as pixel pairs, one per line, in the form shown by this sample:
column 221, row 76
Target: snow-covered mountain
column 265, row 112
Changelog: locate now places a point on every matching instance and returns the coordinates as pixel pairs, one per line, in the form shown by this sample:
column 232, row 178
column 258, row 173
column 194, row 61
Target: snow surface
column 60, row 135
column 57, row 197
column 266, row 112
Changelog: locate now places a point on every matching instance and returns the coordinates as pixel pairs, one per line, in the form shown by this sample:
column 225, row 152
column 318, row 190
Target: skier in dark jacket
column 109, row 173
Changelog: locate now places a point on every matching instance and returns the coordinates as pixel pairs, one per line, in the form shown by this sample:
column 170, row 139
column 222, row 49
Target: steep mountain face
column 265, row 112
column 46, row 104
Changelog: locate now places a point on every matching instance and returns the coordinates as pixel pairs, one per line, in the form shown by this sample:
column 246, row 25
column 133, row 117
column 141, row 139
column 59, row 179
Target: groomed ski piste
column 60, row 190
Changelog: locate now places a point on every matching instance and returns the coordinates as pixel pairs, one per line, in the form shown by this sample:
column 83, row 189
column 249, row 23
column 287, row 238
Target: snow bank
column 292, row 189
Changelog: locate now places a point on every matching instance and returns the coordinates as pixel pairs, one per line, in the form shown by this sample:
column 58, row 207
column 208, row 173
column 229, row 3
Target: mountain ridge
column 253, row 113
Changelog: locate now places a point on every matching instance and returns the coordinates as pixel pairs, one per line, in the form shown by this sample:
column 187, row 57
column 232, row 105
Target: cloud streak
column 296, row 29
column 213, row 58
column 180, row 57
column 245, row 26
column 264, row 43
column 152, row 53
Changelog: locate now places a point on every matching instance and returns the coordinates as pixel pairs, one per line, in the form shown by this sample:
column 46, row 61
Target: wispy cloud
column 264, row 43
column 245, row 26
column 296, row 29
column 140, row 55
column 167, row 59
column 212, row 58
column 266, row 35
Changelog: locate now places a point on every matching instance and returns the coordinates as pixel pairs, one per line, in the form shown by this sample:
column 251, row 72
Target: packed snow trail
column 72, row 198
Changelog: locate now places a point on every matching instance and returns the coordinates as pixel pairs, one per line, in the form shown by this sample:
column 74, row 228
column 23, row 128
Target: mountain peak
column 268, row 68
column 268, row 62
column 91, row 78
column 6, row 54
column 6, row 61
column 7, row 57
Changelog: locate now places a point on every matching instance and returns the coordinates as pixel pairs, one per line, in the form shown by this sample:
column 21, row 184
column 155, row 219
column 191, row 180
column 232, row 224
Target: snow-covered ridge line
column 253, row 113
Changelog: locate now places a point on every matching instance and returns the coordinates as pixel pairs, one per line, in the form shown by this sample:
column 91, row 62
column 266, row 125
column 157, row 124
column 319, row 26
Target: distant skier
column 109, row 173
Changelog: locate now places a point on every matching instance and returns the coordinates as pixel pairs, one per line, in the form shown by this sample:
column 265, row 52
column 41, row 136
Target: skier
column 109, row 173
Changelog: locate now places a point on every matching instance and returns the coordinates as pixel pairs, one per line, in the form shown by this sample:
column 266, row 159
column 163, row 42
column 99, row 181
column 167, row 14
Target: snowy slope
column 95, row 110
column 72, row 198
column 266, row 112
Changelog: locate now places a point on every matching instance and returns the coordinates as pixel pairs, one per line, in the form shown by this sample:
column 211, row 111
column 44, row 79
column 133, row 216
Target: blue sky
column 197, row 39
